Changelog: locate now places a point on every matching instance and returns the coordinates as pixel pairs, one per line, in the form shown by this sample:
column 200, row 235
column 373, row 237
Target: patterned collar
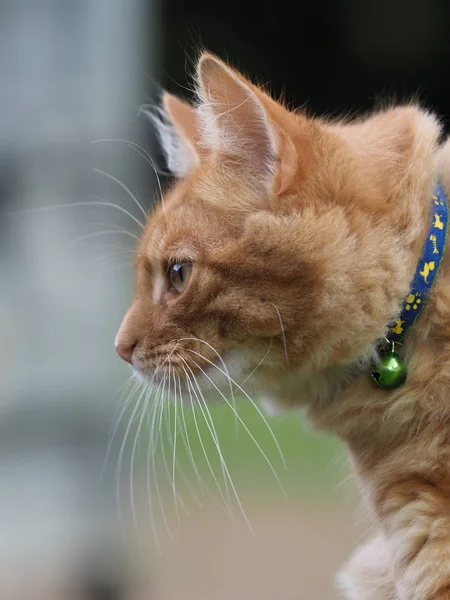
column 427, row 267
column 390, row 370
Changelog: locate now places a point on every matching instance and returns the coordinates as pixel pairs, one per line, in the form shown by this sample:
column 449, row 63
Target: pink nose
column 125, row 351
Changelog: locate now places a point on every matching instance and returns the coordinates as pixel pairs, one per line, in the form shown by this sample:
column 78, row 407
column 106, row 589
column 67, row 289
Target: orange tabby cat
column 296, row 239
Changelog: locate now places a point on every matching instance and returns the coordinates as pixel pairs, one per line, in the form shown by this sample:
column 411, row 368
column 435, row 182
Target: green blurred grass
column 315, row 462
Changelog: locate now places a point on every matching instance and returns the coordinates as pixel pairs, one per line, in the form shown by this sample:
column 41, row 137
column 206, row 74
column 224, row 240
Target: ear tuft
column 175, row 125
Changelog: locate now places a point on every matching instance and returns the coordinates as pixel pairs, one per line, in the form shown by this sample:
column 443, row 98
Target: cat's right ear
column 177, row 128
column 240, row 120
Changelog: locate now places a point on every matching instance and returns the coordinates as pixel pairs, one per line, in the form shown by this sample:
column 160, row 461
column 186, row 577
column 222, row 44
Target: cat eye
column 180, row 274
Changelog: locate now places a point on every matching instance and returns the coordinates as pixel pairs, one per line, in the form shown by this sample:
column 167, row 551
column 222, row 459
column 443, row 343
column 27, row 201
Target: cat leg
column 414, row 509
column 367, row 575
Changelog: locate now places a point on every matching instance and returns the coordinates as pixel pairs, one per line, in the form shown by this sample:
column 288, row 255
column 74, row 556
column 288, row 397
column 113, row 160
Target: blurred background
column 76, row 160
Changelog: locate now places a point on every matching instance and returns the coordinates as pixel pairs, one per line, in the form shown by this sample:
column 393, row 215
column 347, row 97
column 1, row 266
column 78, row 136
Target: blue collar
column 427, row 267
column 389, row 370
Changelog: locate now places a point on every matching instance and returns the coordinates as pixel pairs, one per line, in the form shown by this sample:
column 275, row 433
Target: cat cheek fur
column 308, row 234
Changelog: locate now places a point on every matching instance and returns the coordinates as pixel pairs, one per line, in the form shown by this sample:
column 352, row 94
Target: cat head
column 284, row 244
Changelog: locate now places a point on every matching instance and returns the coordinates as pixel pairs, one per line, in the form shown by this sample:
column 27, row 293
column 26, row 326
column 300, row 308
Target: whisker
column 173, row 440
column 259, row 364
column 169, row 436
column 282, row 330
column 122, row 450
column 121, row 390
column 158, row 418
column 201, row 402
column 115, row 427
column 177, row 498
column 125, row 188
column 244, row 425
column 132, row 380
column 219, row 451
column 151, row 419
column 134, row 413
column 125, row 254
column 187, row 445
column 203, row 486
column 115, row 225
column 233, row 399
column 142, row 152
column 176, row 463
column 99, row 199
column 200, row 439
column 241, row 389
column 174, row 457
column 97, row 202
column 101, row 233
column 133, row 452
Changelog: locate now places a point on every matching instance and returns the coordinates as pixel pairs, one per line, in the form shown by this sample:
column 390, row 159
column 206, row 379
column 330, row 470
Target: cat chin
column 217, row 382
column 140, row 375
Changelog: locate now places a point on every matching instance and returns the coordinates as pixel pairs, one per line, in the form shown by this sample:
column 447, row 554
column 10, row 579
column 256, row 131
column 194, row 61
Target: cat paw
column 366, row 576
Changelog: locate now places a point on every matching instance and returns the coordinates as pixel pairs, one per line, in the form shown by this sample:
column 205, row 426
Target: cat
column 287, row 244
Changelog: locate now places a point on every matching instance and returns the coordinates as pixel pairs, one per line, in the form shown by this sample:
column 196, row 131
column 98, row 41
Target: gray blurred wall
column 71, row 72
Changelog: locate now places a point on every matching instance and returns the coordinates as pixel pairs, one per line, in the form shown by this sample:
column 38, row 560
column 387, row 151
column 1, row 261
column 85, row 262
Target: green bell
column 390, row 370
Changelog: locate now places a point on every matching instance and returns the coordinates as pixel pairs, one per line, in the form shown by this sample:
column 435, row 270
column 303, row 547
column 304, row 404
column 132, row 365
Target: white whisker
column 233, row 399
column 259, row 364
column 115, row 225
column 122, row 450
column 133, row 452
column 200, row 439
column 173, row 441
column 165, row 405
column 187, row 445
column 124, row 254
column 158, row 417
column 243, row 424
column 282, row 330
column 151, row 419
column 97, row 202
column 101, row 233
column 241, row 389
column 125, row 188
column 142, row 152
column 115, row 427
column 180, row 431
column 163, row 448
column 218, row 448
column 174, row 446
column 203, row 406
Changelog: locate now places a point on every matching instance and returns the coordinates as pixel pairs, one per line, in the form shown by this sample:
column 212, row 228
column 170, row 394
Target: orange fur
column 304, row 235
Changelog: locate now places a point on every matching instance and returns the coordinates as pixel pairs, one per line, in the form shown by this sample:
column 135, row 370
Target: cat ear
column 235, row 121
column 177, row 127
column 185, row 120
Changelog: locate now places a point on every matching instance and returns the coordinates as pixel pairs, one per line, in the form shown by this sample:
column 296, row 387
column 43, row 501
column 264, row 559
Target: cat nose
column 125, row 350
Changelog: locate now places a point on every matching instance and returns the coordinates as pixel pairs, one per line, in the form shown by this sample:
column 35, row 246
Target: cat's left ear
column 177, row 126
column 240, row 120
